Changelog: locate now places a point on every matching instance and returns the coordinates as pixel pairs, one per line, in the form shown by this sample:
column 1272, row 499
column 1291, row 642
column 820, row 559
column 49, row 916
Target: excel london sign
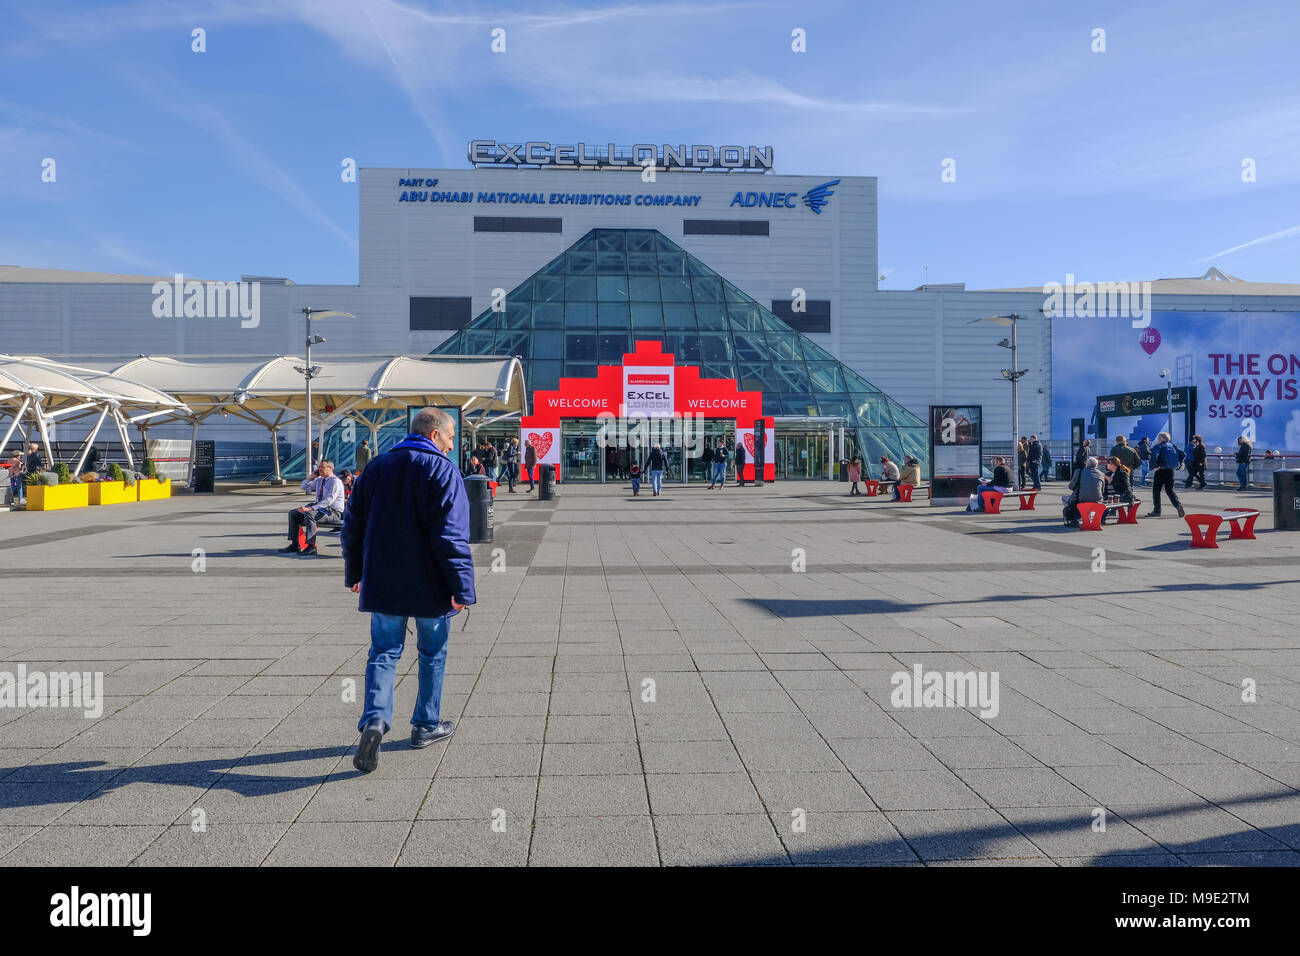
column 486, row 152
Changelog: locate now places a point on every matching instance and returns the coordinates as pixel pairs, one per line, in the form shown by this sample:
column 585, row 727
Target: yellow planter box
column 53, row 497
column 110, row 493
column 151, row 489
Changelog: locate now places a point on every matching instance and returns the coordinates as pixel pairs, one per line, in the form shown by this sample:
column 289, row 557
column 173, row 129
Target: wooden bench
column 1241, row 521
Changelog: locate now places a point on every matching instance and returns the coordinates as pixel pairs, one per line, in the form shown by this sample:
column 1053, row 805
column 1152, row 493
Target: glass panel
column 697, row 268
column 609, row 240
column 746, row 350
column 547, row 345
column 794, row 376
column 686, row 347
column 784, row 346
column 707, row 288
column 548, row 315
column 543, row 376
column 643, row 263
column 872, row 448
column 476, row 342
column 522, row 292
column 672, row 263
column 580, row 289
column 679, row 316
column 549, row 289
column 580, row 315
column 715, row 347
column 772, row 323
column 675, row 289
column 799, row 403
column 612, row 347
column 611, row 288
column 608, row 262
column 580, row 264
column 553, row 268
column 647, row 315
column 519, row 314
column 614, row 315
column 826, row 377
column 642, row 289
column 717, row 370
column 513, row 343
column 640, row 241
column 837, row 404
column 711, row 315
column 733, row 294
column 579, row 369
column 872, row 410
column 579, row 457
column 579, row 346
column 744, row 316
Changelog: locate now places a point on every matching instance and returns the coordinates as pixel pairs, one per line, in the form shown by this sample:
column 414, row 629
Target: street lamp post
column 311, row 371
column 1013, row 374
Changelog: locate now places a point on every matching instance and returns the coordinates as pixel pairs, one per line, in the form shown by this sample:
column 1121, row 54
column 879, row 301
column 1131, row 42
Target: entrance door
column 580, row 452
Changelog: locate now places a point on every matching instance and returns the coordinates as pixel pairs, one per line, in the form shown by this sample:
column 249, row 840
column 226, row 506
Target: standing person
column 656, row 463
column 719, row 476
column 611, row 463
column 330, row 500
column 406, row 552
column 1164, row 459
column 1126, row 455
column 1035, row 454
column 363, row 455
column 1244, row 451
column 530, row 464
column 740, row 463
column 1196, row 462
column 1144, row 458
column 855, row 475
column 1082, row 455
column 488, row 456
column 1022, row 460
column 510, row 462
column 315, row 455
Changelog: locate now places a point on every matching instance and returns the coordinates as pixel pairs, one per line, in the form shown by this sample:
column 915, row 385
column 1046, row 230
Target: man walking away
column 510, row 462
column 1164, row 459
column 1144, row 458
column 1196, row 467
column 1022, row 460
column 740, row 464
column 406, row 552
column 1035, row 451
column 330, row 501
column 656, row 463
column 530, row 463
column 489, row 459
column 719, row 476
column 1244, row 451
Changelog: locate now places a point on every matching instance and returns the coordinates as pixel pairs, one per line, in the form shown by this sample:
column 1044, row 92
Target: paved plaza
column 701, row 678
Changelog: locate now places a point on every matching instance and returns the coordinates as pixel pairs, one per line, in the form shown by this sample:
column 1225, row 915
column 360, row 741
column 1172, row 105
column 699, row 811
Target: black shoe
column 366, row 759
column 423, row 736
column 310, row 549
column 289, row 550
column 1154, row 514
column 1181, row 512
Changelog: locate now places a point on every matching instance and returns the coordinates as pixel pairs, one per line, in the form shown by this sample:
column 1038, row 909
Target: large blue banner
column 1245, row 366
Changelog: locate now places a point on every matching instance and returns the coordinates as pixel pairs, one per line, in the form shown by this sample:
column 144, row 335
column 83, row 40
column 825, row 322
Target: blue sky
column 1117, row 165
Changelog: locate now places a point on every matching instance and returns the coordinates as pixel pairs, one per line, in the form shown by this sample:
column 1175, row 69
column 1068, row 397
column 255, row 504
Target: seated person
column 348, row 479
column 1121, row 485
column 1001, row 481
column 328, row 489
column 888, row 473
column 911, row 473
column 1087, row 485
column 476, row 467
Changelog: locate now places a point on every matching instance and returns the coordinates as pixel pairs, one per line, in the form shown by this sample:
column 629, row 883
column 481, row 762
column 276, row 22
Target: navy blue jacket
column 406, row 533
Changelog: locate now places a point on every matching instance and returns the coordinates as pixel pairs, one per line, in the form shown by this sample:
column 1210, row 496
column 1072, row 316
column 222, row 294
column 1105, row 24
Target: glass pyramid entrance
column 590, row 304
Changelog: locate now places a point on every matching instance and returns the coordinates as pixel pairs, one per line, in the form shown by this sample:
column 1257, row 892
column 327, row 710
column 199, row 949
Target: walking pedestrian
column 719, row 476
column 1035, row 453
column 1125, row 453
column 1196, row 463
column 656, row 463
column 363, row 455
column 1022, row 460
column 406, row 552
column 855, row 475
column 740, row 464
column 530, row 464
column 634, row 472
column 1244, row 451
column 1081, row 456
column 510, row 462
column 1144, row 458
column 1164, row 460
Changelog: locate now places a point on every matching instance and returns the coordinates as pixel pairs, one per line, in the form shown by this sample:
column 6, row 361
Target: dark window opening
column 517, row 224
column 725, row 227
column 816, row 316
column 438, row 313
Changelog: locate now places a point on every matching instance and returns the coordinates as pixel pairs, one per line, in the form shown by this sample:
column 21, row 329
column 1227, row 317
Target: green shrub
column 34, row 478
column 65, row 476
column 148, row 470
column 115, row 472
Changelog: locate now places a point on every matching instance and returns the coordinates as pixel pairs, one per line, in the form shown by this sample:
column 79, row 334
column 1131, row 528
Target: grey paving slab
column 594, row 841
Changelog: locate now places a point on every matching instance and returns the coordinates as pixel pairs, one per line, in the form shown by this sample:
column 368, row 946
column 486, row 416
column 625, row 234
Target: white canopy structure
column 50, row 392
column 271, row 392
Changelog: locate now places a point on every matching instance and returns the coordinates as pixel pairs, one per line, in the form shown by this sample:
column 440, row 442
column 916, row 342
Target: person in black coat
column 406, row 553
column 740, row 463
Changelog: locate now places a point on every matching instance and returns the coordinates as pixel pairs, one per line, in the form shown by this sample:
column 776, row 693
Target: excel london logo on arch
column 815, row 198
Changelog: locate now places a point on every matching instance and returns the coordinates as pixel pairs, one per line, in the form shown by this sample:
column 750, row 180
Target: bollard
column 480, row 508
column 546, row 483
column 1286, row 499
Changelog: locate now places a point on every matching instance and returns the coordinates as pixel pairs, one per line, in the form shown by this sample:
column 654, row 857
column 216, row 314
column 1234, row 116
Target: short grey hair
column 1091, row 462
column 327, row 461
column 430, row 420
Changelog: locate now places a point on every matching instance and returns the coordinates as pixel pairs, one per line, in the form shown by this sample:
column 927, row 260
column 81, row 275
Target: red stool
column 1206, row 537
column 493, row 486
column 992, row 502
column 1027, row 500
column 905, row 492
column 1239, row 530
column 873, row 487
column 1128, row 515
column 1090, row 513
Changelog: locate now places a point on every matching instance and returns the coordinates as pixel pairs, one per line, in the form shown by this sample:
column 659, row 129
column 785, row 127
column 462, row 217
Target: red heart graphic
column 541, row 442
column 749, row 443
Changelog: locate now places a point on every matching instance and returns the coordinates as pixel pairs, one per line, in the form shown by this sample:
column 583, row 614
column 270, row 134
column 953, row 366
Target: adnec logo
column 815, row 198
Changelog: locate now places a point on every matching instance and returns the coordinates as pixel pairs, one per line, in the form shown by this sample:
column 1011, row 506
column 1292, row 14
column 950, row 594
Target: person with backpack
column 1144, row 459
column 634, row 472
column 1045, row 469
column 656, row 463
column 1164, row 461
column 1244, row 451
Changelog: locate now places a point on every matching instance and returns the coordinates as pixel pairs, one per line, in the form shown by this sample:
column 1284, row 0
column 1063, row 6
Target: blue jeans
column 1034, row 476
column 656, row 481
column 387, row 639
column 719, row 474
column 1243, row 474
column 1146, row 467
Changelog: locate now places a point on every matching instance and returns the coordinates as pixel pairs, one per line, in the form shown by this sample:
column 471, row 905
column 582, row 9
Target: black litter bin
column 480, row 508
column 546, row 483
column 844, row 470
column 1286, row 499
